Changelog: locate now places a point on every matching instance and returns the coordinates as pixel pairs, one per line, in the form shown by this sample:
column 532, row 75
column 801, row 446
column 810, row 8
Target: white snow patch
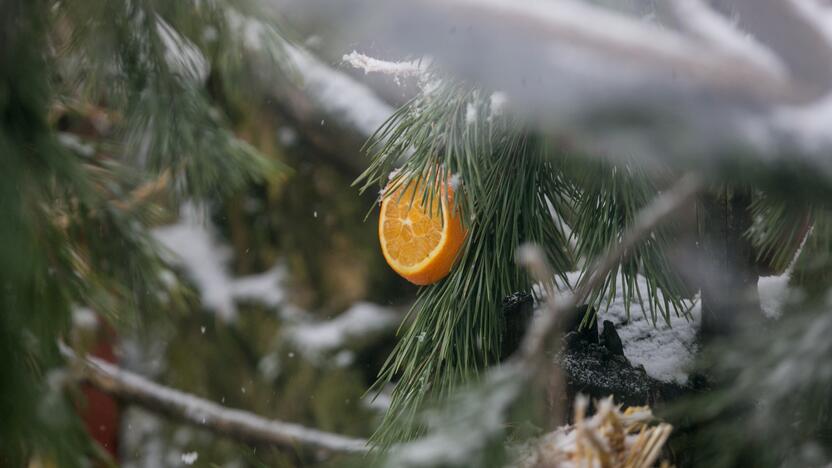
column 251, row 30
column 189, row 458
column 84, row 318
column 497, row 104
column 455, row 181
column 398, row 70
column 344, row 358
column 470, row 114
column 809, row 123
column 74, row 143
column 667, row 351
column 194, row 245
column 314, row 339
column 700, row 19
column 339, row 94
column 379, row 401
column 395, row 172
column 773, row 291
column 181, row 55
column 193, row 242
column 263, row 288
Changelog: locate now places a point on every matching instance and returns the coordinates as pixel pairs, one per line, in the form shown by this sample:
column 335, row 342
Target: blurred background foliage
column 116, row 114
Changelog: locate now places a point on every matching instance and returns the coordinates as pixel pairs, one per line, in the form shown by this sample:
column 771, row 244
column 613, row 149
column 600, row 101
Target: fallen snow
column 667, row 351
column 773, row 291
column 316, row 338
column 335, row 93
column 194, row 245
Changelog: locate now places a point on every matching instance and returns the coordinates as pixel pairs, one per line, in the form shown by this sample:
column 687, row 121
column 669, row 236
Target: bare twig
column 233, row 423
column 546, row 327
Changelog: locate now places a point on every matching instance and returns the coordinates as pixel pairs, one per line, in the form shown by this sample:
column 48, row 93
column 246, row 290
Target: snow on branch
column 205, row 414
column 194, row 245
column 398, row 70
column 339, row 95
column 362, row 320
column 725, row 82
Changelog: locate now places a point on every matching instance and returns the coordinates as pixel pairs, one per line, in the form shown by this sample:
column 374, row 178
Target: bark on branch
column 205, row 414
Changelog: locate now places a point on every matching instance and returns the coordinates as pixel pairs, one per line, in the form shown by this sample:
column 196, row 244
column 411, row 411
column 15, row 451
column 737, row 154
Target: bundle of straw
column 610, row 438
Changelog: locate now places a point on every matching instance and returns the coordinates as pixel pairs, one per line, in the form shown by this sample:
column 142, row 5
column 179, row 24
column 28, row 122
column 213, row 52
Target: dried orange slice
column 418, row 243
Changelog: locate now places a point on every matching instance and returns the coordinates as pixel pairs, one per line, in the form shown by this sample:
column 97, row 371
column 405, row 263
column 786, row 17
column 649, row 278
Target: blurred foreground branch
column 756, row 88
column 332, row 110
column 241, row 425
column 547, row 326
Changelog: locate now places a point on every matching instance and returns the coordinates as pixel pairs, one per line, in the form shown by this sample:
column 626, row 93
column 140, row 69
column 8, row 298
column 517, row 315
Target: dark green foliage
column 507, row 183
column 150, row 61
column 771, row 405
column 75, row 222
column 608, row 199
column 779, row 227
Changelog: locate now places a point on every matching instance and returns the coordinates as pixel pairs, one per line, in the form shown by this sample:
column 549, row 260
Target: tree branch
column 617, row 84
column 333, row 111
column 546, row 327
column 233, row 423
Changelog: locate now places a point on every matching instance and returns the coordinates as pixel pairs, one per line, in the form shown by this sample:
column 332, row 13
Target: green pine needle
column 508, row 184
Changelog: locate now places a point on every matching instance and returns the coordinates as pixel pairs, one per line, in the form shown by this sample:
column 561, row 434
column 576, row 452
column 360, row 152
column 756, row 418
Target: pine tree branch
column 205, row 414
column 333, row 111
column 545, row 328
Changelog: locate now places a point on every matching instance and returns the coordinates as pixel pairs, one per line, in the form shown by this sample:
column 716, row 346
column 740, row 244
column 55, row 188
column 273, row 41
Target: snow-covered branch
column 693, row 83
column 228, row 422
column 351, row 103
column 398, row 70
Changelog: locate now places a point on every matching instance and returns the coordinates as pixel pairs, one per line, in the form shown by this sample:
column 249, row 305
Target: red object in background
column 100, row 411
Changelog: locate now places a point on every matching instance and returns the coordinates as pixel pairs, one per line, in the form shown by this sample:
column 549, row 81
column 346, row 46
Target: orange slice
column 418, row 243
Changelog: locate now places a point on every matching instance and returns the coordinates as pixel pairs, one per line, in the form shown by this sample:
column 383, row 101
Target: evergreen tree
column 104, row 104
column 77, row 210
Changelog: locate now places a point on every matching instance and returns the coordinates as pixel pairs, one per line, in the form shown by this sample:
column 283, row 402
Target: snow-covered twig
column 361, row 322
column 398, row 70
column 193, row 244
column 237, row 424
